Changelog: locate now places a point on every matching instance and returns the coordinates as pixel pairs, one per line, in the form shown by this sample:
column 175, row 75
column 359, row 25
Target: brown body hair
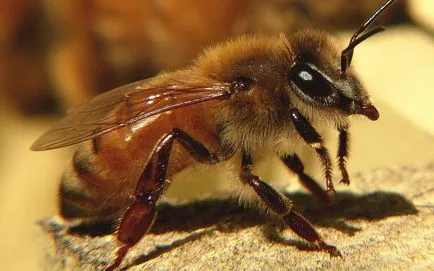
column 103, row 171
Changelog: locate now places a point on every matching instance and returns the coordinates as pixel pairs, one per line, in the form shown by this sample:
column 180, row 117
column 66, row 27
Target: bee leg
column 311, row 137
column 343, row 154
column 140, row 216
column 197, row 150
column 282, row 206
column 294, row 163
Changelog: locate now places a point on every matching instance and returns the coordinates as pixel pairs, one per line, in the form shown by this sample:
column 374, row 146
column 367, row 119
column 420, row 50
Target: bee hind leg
column 140, row 216
column 282, row 206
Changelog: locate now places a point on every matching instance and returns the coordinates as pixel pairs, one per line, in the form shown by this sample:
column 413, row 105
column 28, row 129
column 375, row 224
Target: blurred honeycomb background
column 54, row 55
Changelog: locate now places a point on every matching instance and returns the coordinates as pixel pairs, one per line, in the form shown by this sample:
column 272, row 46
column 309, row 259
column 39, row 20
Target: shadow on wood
column 201, row 218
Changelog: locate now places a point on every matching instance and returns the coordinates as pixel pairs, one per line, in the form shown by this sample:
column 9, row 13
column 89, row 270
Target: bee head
column 320, row 74
column 316, row 80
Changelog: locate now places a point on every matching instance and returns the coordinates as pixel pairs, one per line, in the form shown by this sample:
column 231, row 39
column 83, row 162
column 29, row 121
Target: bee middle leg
column 283, row 207
column 294, row 163
column 141, row 214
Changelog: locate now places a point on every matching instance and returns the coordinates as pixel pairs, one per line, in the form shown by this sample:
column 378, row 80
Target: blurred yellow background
column 396, row 66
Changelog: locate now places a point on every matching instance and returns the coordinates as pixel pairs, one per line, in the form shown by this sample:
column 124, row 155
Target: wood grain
column 386, row 222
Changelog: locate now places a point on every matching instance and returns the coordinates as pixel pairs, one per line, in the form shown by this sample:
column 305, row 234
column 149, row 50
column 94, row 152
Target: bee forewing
column 126, row 105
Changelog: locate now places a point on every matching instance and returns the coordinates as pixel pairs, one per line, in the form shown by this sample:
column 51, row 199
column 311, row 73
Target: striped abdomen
column 101, row 177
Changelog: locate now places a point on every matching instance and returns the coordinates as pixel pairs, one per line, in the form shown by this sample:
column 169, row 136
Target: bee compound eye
column 310, row 82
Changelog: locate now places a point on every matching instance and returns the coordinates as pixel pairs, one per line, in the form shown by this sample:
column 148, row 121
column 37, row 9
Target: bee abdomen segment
column 73, row 201
column 76, row 203
column 77, row 186
column 70, row 210
column 80, row 164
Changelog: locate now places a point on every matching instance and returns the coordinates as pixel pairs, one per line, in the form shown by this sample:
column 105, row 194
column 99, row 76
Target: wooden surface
column 386, row 222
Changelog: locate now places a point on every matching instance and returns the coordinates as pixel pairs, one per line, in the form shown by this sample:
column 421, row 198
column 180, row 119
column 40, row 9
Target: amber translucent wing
column 126, row 105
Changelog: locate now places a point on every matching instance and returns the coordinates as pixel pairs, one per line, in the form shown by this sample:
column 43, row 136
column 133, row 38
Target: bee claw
column 345, row 181
column 332, row 250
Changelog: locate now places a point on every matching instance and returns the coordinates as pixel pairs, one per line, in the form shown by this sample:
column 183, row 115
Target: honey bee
column 245, row 98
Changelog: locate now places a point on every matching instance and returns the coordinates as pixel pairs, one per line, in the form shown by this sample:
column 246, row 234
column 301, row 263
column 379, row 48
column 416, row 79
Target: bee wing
column 126, row 105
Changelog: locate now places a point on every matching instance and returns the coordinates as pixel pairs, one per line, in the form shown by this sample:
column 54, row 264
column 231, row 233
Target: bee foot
column 332, row 250
column 345, row 181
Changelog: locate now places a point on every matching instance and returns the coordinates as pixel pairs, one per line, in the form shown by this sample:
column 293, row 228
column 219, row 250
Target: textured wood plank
column 386, row 222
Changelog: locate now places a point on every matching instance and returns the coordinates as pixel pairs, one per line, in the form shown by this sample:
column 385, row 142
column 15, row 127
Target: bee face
column 316, row 83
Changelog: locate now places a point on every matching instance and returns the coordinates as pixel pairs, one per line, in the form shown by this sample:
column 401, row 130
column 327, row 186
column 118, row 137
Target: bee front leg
column 294, row 163
column 311, row 136
column 282, row 206
column 343, row 154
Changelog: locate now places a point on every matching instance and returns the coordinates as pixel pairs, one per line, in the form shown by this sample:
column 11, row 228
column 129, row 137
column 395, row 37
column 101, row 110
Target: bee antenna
column 347, row 53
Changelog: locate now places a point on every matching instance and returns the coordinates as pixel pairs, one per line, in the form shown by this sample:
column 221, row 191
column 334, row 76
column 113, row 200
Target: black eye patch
column 310, row 81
